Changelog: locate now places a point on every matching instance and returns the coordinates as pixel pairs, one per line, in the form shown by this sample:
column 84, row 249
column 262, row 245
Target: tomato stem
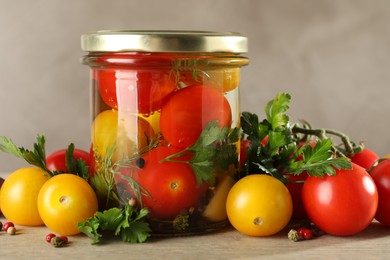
column 322, row 133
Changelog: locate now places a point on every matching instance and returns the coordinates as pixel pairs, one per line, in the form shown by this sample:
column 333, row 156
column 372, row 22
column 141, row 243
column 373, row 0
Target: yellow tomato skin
column 215, row 209
column 225, row 79
column 19, row 195
column 259, row 205
column 64, row 201
column 123, row 132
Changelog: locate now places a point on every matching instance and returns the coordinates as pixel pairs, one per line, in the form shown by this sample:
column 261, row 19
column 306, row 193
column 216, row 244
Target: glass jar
column 166, row 123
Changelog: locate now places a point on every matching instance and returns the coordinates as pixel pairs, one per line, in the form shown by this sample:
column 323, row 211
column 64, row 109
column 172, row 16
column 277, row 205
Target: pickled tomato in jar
column 165, row 121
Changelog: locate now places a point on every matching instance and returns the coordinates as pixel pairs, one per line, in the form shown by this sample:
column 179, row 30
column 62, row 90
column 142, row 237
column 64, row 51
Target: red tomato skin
column 295, row 187
column 343, row 204
column 151, row 89
column 188, row 111
column 244, row 145
column 172, row 186
column 56, row 161
column 381, row 176
column 366, row 158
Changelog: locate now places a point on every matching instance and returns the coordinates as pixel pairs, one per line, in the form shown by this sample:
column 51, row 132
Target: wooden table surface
column 371, row 243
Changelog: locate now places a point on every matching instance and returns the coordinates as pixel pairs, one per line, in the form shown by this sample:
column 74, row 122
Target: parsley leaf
column 319, row 160
column 75, row 166
column 275, row 111
column 275, row 146
column 37, row 157
column 214, row 149
column 127, row 222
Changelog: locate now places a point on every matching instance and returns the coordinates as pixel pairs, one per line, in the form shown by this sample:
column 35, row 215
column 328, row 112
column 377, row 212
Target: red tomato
column 172, row 186
column 295, row 186
column 189, row 110
column 142, row 91
column 366, row 158
column 343, row 204
column 244, row 145
column 57, row 160
column 381, row 176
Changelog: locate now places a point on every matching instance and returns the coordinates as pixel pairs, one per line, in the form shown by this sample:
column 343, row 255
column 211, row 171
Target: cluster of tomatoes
column 31, row 197
column 347, row 202
column 342, row 204
column 138, row 105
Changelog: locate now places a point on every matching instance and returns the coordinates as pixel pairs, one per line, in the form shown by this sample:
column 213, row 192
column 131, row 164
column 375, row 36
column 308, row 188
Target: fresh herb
column 127, row 222
column 37, row 157
column 75, row 166
column 109, row 190
column 192, row 65
column 214, row 149
column 277, row 147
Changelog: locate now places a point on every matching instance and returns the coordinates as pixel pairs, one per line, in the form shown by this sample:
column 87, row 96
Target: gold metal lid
column 163, row 41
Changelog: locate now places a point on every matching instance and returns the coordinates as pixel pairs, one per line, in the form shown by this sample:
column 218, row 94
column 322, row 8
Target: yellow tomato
column 121, row 133
column 215, row 209
column 19, row 194
column 259, row 205
column 153, row 119
column 225, row 79
column 64, row 201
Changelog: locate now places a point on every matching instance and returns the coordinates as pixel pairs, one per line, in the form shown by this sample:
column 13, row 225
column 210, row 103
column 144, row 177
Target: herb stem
column 322, row 134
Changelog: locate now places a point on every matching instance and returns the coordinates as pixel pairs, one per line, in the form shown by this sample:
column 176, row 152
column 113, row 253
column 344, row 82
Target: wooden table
column 372, row 243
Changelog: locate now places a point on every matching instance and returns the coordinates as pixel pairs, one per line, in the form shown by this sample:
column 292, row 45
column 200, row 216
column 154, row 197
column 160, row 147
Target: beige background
column 332, row 56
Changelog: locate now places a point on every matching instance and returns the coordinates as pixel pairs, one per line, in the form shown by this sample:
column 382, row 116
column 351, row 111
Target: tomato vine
column 287, row 147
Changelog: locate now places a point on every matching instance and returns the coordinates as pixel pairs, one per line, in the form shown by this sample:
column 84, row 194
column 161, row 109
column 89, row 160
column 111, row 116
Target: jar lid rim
column 163, row 41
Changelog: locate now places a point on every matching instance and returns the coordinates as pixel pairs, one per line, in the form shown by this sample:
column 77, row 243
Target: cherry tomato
column 215, row 209
column 119, row 133
column 342, row 204
column 138, row 91
column 366, row 158
column 295, row 186
column 224, row 80
column 18, row 197
column 244, row 145
column 259, row 205
column 56, row 161
column 171, row 186
column 189, row 110
column 64, row 201
column 381, row 176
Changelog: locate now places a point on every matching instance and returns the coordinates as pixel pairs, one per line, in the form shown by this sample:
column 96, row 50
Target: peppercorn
column 293, row 235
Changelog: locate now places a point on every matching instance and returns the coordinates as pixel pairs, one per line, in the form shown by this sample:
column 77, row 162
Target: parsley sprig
column 128, row 222
column 37, row 156
column 214, row 149
column 276, row 145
